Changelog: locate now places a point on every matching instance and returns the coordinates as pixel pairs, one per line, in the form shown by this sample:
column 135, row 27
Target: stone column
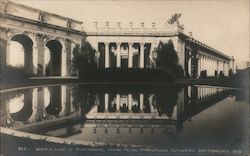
column 206, row 64
column 141, row 55
column 41, row 57
column 223, row 68
column 199, row 92
column 141, row 102
column 68, row 57
column 130, row 100
column 208, row 67
column 181, row 52
column 205, row 92
column 68, row 100
column 201, row 62
column 118, row 102
column 40, row 99
column 152, row 110
column 118, row 55
column 28, row 60
column 233, row 65
column 213, row 67
column 4, row 48
column 63, row 62
column 63, row 100
column 97, row 100
column 106, row 101
column 130, row 55
column 28, row 98
column 226, row 70
column 7, row 57
column 217, row 67
column 35, row 69
column 189, row 66
column 180, row 103
column 199, row 66
column 107, row 64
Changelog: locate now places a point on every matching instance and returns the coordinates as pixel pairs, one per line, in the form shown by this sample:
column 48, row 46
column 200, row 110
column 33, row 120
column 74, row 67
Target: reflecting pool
column 161, row 116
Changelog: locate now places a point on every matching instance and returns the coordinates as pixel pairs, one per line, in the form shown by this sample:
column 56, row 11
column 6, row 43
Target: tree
column 168, row 59
column 83, row 57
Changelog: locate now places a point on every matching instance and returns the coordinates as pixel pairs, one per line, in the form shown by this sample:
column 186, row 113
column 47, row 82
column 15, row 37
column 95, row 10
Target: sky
column 221, row 24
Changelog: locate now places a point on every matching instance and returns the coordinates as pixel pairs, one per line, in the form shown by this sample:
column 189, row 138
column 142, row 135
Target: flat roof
column 205, row 46
column 38, row 10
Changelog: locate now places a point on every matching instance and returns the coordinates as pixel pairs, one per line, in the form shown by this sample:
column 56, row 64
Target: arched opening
column 21, row 52
column 53, row 67
column 55, row 105
column 21, row 107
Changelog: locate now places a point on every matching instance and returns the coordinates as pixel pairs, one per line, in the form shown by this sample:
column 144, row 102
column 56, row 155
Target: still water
column 160, row 116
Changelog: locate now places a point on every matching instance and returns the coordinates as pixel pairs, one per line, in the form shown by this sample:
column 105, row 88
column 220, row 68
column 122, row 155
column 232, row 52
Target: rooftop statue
column 174, row 18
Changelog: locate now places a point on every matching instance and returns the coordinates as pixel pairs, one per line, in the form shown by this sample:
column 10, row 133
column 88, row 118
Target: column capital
column 40, row 36
column 130, row 43
column 106, row 43
column 118, row 43
column 199, row 55
column 142, row 43
column 67, row 40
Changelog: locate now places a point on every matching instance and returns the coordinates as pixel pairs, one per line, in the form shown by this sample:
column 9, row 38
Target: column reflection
column 40, row 109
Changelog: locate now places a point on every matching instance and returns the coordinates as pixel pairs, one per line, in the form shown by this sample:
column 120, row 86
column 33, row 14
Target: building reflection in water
column 32, row 108
column 64, row 110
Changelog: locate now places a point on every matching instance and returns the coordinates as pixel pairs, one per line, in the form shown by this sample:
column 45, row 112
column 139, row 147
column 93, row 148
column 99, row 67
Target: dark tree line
column 167, row 59
column 84, row 57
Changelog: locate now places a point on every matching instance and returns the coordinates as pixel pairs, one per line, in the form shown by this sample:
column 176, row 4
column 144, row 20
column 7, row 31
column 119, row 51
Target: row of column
column 129, row 102
column 196, row 93
column 211, row 65
column 204, row 92
column 118, row 55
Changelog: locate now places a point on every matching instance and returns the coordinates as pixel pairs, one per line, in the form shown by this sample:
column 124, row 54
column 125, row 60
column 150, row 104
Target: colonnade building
column 117, row 47
column 38, row 32
column 135, row 47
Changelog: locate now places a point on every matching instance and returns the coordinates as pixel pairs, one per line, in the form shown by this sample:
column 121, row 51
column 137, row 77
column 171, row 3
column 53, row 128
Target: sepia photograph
column 124, row 77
